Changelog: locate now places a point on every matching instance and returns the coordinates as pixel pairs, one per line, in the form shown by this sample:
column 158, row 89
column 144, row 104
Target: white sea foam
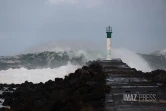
column 35, row 75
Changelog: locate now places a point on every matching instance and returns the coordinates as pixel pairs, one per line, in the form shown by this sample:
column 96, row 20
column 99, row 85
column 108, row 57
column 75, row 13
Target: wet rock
column 58, row 80
column 82, row 90
column 8, row 101
column 85, row 67
column 7, row 94
column 97, row 93
column 91, row 83
column 5, row 109
column 73, row 81
column 107, row 89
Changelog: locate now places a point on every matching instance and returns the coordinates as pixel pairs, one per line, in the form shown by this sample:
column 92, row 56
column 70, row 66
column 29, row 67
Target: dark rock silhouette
column 157, row 76
column 83, row 90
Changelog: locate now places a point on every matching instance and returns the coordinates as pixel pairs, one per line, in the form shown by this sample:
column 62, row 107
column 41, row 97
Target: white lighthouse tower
column 109, row 33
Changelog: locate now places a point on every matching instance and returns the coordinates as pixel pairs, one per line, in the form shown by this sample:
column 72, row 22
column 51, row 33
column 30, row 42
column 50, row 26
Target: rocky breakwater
column 156, row 76
column 83, row 90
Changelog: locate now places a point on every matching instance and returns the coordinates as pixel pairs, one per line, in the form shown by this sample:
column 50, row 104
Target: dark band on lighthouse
column 109, row 31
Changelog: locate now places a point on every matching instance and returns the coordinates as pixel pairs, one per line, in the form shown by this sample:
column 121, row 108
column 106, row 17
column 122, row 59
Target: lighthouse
column 109, row 33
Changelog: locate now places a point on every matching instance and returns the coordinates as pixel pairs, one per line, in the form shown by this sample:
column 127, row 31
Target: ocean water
column 43, row 66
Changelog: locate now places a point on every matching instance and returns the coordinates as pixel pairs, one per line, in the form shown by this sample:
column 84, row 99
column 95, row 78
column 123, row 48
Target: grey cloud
column 138, row 25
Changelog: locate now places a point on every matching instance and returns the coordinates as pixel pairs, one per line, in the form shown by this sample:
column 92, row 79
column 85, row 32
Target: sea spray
column 35, row 75
column 132, row 59
column 42, row 66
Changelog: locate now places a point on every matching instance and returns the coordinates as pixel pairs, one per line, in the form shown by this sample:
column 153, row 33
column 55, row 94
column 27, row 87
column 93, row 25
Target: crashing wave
column 47, row 59
column 42, row 66
column 157, row 59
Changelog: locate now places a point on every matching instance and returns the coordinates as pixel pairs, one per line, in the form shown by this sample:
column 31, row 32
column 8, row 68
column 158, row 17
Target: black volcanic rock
column 58, row 80
column 5, row 109
column 158, row 76
column 83, row 90
column 107, row 89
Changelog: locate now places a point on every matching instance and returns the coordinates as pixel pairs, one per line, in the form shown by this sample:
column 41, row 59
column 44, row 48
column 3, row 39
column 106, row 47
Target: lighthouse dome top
column 108, row 29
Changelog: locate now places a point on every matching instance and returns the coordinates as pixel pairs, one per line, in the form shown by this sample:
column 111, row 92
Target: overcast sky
column 138, row 25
